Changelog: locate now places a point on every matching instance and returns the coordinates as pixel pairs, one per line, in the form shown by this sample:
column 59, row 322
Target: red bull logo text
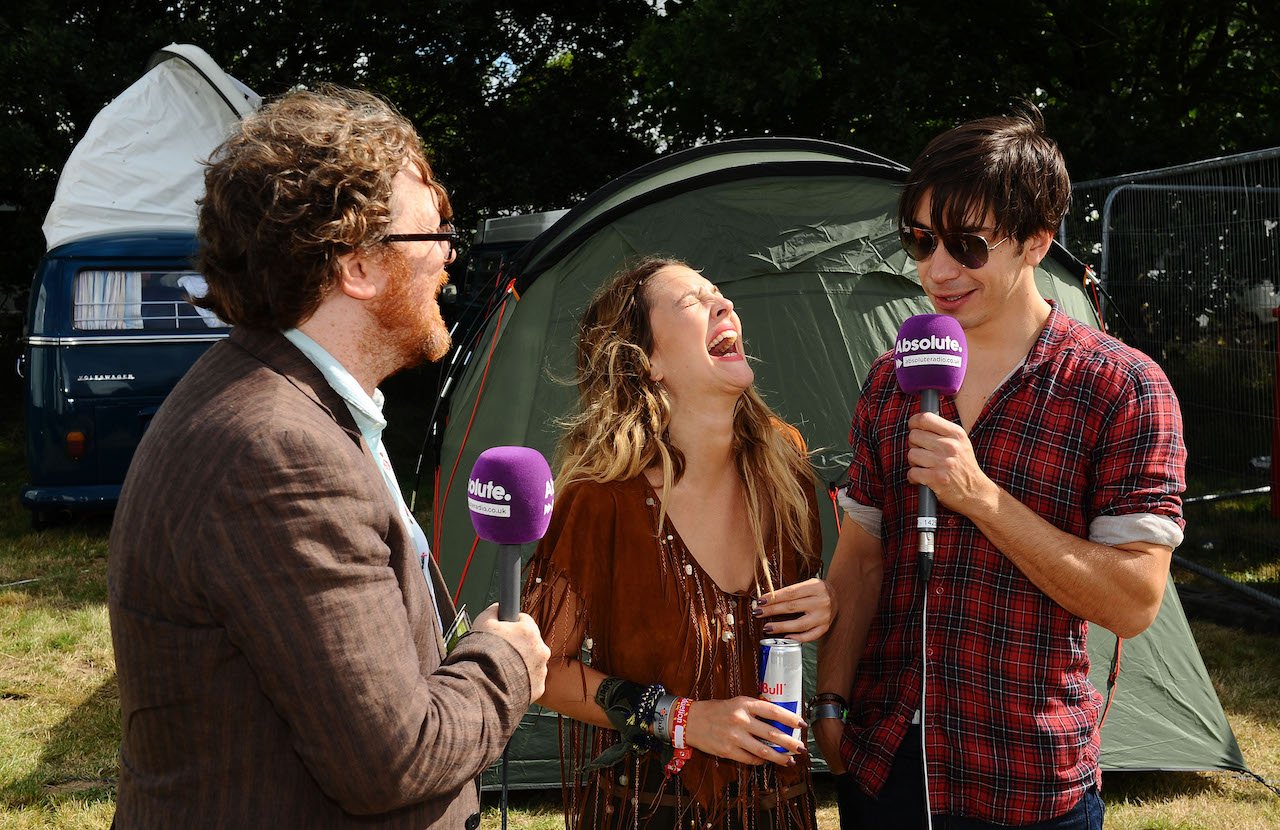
column 782, row 678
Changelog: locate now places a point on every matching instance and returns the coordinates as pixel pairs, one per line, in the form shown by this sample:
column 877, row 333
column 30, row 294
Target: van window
column 141, row 300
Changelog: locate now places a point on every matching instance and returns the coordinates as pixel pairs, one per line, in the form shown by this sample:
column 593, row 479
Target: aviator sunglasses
column 971, row 250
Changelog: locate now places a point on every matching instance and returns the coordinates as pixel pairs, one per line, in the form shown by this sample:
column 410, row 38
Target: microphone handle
column 508, row 582
column 926, row 519
column 927, row 515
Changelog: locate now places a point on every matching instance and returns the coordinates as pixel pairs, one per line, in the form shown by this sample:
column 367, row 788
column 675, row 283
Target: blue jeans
column 900, row 804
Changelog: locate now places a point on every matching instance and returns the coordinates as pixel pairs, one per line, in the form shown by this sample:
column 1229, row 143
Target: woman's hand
column 736, row 729
column 811, row 603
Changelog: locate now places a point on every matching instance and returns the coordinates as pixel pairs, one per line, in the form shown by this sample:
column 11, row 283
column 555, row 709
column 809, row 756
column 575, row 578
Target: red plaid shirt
column 1087, row 427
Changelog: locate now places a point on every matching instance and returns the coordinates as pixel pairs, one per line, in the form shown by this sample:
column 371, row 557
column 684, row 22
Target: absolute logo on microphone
column 928, row 351
column 510, row 492
column 488, row 498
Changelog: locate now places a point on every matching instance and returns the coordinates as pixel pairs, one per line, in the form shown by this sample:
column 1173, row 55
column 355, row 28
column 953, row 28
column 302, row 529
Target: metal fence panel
column 1188, row 259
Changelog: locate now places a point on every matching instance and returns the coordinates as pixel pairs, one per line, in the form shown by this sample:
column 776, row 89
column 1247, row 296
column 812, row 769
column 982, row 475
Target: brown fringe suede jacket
column 610, row 588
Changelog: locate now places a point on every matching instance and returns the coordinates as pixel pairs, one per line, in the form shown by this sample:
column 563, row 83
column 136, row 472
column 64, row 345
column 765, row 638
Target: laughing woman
column 685, row 530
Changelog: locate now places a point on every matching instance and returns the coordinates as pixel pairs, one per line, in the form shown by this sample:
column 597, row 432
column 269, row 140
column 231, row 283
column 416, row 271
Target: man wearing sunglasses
column 1057, row 467
column 277, row 617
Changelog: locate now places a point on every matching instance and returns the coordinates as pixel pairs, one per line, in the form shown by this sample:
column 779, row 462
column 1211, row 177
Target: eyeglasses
column 971, row 250
column 448, row 235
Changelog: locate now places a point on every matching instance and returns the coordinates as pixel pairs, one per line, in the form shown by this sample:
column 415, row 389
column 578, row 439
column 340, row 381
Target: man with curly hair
column 276, row 614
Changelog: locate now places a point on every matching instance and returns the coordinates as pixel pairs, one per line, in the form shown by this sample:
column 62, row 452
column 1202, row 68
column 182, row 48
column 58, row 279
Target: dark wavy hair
column 302, row 181
column 1005, row 164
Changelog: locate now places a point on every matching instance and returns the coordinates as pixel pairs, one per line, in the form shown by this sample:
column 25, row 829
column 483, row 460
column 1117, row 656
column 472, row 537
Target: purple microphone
column 509, row 495
column 929, row 357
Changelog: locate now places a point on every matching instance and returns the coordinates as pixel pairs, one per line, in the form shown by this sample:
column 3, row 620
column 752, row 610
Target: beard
column 410, row 327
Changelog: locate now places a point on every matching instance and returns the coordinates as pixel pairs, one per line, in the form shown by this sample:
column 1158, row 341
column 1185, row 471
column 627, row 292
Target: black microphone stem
column 927, row 525
column 927, row 515
column 508, row 582
column 508, row 611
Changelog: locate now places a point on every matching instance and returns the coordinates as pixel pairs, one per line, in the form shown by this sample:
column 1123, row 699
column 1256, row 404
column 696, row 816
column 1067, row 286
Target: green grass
column 1244, row 669
column 59, row 709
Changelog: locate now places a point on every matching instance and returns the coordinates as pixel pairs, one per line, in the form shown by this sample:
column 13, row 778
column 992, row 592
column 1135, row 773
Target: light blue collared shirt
column 367, row 412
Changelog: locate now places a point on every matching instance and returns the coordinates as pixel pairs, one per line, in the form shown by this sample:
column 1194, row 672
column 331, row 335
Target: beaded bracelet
column 630, row 710
column 647, row 706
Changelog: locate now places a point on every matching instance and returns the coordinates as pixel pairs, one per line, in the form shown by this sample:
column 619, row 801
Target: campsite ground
column 59, row 708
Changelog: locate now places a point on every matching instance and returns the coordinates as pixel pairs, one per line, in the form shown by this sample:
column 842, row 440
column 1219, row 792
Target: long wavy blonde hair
column 620, row 428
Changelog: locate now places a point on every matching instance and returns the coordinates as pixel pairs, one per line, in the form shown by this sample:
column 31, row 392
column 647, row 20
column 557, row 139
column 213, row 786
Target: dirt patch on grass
column 78, row 786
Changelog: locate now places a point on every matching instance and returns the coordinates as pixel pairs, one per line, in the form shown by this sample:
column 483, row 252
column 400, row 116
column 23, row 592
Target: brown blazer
column 277, row 652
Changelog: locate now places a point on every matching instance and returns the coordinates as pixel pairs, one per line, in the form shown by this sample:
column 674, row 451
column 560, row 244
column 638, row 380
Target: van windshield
column 141, row 300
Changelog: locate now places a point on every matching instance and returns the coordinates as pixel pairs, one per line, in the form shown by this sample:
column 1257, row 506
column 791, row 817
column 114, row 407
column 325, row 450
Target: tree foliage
column 1125, row 84
column 531, row 106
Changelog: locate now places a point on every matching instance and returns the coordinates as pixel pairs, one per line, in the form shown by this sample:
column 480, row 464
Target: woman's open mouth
column 725, row 344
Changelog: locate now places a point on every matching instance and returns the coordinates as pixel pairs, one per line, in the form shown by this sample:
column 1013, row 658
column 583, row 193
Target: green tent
column 801, row 235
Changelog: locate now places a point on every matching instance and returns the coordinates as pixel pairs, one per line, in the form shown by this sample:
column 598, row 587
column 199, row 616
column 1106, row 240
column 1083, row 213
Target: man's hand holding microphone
column 523, row 635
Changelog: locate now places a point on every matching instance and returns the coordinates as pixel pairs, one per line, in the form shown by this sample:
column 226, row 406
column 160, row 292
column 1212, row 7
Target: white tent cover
column 138, row 167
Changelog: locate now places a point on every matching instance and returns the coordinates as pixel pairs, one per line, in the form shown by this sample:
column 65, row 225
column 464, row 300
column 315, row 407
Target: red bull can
column 782, row 679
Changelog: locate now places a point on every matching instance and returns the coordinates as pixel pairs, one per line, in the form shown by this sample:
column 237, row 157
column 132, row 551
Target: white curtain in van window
column 196, row 286
column 108, row 300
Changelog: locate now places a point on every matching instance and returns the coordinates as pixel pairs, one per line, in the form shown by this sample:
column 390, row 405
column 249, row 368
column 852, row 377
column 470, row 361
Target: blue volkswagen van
column 109, row 332
column 109, row 327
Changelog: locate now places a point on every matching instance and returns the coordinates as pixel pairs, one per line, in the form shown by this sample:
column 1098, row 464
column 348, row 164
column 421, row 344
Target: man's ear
column 359, row 277
column 1036, row 248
